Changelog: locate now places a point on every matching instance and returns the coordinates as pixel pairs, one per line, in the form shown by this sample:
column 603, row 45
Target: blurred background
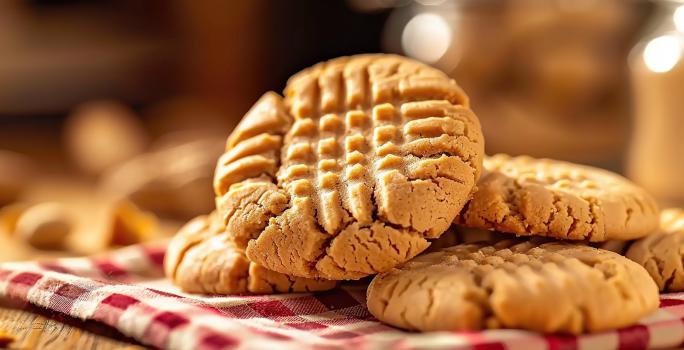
column 112, row 113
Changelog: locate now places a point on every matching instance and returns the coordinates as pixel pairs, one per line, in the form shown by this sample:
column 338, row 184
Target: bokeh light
column 427, row 37
column 678, row 18
column 662, row 53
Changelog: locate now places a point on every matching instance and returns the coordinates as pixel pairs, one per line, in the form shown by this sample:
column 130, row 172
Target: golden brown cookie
column 102, row 134
column 662, row 252
column 45, row 225
column 10, row 214
column 550, row 287
column 543, row 197
column 365, row 159
column 129, row 224
column 172, row 181
column 202, row 258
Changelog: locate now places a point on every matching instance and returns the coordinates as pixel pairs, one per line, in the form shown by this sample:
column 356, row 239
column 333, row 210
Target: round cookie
column 202, row 258
column 553, row 287
column 365, row 159
column 543, row 197
column 662, row 252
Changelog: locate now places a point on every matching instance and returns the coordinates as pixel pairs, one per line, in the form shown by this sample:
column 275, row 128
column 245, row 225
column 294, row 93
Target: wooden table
column 35, row 328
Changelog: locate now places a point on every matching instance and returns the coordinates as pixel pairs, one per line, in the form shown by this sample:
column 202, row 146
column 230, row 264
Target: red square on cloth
column 26, row 278
column 63, row 299
column 170, row 320
column 120, row 301
column 274, row 308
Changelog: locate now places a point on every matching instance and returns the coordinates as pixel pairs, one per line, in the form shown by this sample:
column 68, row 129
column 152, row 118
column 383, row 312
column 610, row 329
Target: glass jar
column 656, row 155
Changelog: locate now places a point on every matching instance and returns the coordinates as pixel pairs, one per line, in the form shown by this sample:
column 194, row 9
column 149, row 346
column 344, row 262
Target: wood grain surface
column 35, row 328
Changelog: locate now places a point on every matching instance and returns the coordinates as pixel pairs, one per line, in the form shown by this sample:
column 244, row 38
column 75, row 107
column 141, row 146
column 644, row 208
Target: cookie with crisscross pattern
column 365, row 159
column 552, row 287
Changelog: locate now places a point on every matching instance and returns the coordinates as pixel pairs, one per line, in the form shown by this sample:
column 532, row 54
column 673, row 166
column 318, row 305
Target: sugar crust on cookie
column 543, row 197
column 202, row 258
column 365, row 159
column 550, row 287
column 662, row 253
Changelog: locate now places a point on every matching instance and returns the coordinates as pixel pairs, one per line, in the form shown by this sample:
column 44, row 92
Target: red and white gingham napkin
column 127, row 290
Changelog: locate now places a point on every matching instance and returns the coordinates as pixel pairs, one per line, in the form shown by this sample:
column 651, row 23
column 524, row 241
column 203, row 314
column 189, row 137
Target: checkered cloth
column 126, row 290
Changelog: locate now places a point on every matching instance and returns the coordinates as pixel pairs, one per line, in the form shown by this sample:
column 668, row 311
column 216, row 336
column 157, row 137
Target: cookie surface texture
column 364, row 160
column 550, row 287
column 543, row 197
column 662, row 252
column 202, row 258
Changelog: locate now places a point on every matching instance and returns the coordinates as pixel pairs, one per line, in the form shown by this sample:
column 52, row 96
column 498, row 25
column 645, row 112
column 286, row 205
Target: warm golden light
column 662, row 53
column 678, row 18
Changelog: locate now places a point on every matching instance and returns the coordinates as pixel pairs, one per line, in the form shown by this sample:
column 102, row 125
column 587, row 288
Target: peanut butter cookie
column 365, row 159
column 543, row 197
column 202, row 258
column 662, row 252
column 550, row 287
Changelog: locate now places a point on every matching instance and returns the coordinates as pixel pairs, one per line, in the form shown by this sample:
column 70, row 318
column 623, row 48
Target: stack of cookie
column 369, row 159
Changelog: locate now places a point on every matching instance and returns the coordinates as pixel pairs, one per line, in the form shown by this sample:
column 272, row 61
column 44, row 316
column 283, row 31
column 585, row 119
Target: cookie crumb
column 6, row 338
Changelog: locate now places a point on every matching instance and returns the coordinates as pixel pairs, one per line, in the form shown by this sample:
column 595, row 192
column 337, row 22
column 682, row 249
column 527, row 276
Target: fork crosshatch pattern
column 364, row 159
column 126, row 290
